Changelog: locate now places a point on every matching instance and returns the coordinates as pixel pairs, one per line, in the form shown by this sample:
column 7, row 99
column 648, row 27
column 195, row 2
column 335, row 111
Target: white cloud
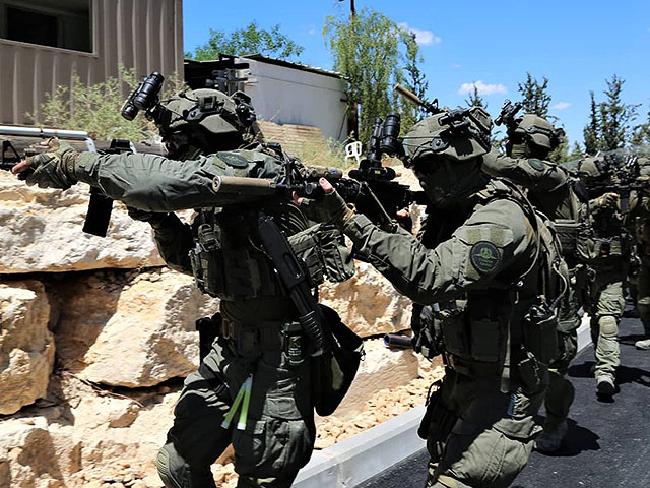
column 422, row 37
column 483, row 88
column 456, row 66
column 561, row 106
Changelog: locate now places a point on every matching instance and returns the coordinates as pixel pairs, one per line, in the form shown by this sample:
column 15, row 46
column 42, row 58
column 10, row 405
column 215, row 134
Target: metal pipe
column 75, row 135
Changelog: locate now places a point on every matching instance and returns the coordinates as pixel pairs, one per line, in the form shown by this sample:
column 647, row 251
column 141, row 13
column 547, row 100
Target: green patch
column 233, row 159
column 484, row 256
column 537, row 164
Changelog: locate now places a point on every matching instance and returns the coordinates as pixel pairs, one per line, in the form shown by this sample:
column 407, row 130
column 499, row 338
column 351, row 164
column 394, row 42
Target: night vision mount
column 508, row 113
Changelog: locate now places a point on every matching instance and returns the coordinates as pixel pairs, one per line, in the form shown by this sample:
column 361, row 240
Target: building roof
column 289, row 64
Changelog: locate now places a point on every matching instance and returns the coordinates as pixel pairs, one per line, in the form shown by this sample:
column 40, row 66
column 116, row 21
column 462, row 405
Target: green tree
column 576, row 152
column 535, row 98
column 413, row 78
column 591, row 132
column 369, row 50
column 561, row 153
column 615, row 115
column 248, row 40
column 475, row 99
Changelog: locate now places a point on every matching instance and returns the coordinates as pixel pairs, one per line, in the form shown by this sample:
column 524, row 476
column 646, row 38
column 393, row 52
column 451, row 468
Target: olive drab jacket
column 485, row 276
column 218, row 248
column 548, row 184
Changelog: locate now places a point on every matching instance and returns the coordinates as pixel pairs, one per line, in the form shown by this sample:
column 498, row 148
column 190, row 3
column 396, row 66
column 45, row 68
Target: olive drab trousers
column 477, row 435
column 606, row 309
column 272, row 440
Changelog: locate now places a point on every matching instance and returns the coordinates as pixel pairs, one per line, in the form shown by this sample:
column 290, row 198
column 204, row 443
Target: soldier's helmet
column 536, row 132
column 459, row 135
column 208, row 118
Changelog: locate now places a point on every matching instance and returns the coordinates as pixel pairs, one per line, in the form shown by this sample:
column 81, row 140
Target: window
column 55, row 23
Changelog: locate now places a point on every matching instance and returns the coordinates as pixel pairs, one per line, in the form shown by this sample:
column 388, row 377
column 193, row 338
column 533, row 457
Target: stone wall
column 96, row 336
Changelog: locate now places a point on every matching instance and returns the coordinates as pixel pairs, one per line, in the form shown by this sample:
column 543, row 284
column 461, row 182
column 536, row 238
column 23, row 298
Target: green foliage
column 476, row 100
column 535, row 99
column 331, row 154
column 561, row 153
column 369, row 49
column 610, row 121
column 96, row 108
column 591, row 132
column 248, row 40
column 576, row 152
column 641, row 134
column 414, row 79
column 615, row 116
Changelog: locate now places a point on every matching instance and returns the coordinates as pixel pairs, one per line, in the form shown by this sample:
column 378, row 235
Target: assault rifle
column 371, row 186
column 98, row 215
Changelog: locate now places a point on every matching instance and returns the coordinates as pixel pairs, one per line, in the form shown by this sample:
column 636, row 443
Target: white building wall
column 287, row 95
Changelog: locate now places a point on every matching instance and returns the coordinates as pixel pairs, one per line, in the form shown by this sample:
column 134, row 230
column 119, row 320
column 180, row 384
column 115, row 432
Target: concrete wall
column 143, row 34
column 288, row 95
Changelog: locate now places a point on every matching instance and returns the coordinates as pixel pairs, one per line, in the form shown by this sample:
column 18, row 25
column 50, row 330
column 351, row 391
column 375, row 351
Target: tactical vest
column 514, row 318
column 228, row 264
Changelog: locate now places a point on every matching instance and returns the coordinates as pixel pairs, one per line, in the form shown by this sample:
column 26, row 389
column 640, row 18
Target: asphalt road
column 608, row 443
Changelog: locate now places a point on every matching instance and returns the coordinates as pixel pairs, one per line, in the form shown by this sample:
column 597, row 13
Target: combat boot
column 643, row 345
column 605, row 385
column 551, row 441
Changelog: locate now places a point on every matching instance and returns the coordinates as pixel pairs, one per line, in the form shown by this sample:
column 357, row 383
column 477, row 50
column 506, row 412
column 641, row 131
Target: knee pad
column 172, row 468
column 608, row 326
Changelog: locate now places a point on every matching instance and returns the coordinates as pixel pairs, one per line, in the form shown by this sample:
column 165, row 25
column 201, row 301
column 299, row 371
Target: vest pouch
column 206, row 260
column 567, row 232
column 485, row 340
column 455, row 332
column 306, row 246
column 540, row 326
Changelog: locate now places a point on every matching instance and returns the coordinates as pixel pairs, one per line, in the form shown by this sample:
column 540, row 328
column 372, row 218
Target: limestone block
column 40, row 230
column 368, row 303
column 26, row 344
column 130, row 329
column 28, row 457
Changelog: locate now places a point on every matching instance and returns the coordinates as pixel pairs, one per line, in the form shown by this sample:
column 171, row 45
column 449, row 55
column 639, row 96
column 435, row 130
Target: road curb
column 360, row 457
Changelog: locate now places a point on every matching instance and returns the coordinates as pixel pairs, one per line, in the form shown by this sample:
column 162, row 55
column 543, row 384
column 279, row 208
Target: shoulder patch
column 233, row 159
column 484, row 256
column 537, row 164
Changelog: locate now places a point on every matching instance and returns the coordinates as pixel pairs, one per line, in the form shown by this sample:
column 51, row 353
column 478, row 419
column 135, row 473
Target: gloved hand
column 609, row 199
column 51, row 169
column 331, row 209
column 155, row 219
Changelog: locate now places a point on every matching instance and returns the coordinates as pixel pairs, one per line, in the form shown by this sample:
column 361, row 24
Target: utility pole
column 352, row 11
column 353, row 117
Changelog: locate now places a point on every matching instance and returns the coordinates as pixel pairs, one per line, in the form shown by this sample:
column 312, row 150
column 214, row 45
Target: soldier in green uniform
column 638, row 223
column 605, row 247
column 254, row 387
column 482, row 264
column 550, row 188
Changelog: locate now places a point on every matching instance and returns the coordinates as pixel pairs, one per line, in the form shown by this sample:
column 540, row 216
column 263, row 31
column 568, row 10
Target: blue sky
column 575, row 43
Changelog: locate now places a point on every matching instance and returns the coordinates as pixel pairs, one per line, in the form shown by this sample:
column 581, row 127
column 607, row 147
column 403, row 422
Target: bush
column 96, row 108
column 330, row 154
